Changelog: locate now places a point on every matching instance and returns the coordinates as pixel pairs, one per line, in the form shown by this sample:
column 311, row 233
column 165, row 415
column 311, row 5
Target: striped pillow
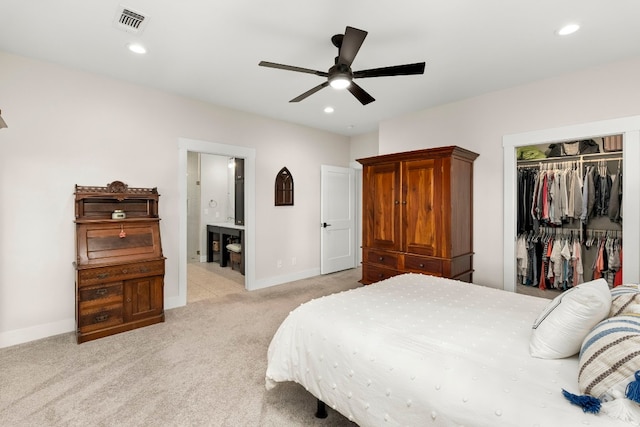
column 610, row 356
column 623, row 298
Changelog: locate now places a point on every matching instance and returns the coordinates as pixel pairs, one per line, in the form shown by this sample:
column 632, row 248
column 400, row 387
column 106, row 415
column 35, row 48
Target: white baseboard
column 175, row 302
column 279, row 280
column 20, row 336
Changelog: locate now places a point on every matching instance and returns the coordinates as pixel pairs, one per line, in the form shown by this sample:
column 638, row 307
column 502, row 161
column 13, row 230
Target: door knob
column 325, row 225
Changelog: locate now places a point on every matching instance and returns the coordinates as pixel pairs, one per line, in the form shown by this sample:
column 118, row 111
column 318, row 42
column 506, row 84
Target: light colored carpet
column 207, row 280
column 204, row 366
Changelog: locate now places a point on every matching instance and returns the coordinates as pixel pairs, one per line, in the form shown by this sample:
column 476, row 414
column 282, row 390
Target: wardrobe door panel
column 381, row 222
column 422, row 210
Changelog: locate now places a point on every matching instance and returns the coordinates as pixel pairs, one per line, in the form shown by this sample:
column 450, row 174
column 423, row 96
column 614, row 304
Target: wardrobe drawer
column 100, row 317
column 424, row 265
column 373, row 273
column 387, row 259
column 95, row 276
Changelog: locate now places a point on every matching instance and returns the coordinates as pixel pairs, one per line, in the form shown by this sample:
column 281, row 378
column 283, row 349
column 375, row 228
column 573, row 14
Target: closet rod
column 592, row 233
column 596, row 230
column 602, row 160
column 582, row 157
column 567, row 230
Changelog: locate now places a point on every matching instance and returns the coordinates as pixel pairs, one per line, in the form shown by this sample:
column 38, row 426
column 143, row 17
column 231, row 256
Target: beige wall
column 480, row 123
column 68, row 127
column 365, row 145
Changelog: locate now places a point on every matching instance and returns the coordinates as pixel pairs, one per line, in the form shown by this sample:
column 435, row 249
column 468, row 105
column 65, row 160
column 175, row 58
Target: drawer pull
column 421, row 265
column 380, row 275
column 101, row 318
column 102, row 275
column 125, row 271
column 381, row 258
column 101, row 291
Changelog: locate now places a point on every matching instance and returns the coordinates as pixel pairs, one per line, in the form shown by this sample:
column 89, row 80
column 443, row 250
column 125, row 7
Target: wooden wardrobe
column 418, row 214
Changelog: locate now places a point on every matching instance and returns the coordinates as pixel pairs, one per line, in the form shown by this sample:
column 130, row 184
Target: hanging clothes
column 522, row 257
column 588, row 195
column 615, row 200
column 556, row 202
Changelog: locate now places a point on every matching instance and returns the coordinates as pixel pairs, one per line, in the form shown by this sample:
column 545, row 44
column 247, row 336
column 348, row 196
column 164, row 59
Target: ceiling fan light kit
column 340, row 82
column 340, row 75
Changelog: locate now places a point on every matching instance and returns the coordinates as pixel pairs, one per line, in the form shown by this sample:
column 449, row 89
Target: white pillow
column 561, row 327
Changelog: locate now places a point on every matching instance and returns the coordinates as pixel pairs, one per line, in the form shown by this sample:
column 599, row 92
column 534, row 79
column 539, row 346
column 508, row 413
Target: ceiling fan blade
column 360, row 93
column 351, row 42
column 292, row 68
column 310, row 92
column 396, row 70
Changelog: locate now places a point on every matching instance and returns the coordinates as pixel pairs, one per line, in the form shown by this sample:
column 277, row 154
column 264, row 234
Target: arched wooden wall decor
column 284, row 188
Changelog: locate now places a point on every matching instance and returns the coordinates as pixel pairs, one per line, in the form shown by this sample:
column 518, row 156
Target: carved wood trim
column 115, row 187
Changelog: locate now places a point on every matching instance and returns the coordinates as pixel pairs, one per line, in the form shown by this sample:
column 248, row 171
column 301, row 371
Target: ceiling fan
column 340, row 75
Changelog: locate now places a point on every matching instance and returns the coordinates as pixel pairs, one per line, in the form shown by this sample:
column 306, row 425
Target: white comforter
column 416, row 350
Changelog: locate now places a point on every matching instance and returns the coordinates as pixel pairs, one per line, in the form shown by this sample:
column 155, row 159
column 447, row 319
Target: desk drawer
column 96, row 276
column 387, row 259
column 100, row 317
column 101, row 294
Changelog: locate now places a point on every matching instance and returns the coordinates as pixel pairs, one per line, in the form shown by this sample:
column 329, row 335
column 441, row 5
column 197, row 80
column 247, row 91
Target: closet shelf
column 616, row 155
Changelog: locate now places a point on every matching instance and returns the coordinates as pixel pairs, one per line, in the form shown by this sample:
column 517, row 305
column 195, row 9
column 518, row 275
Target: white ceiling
column 210, row 49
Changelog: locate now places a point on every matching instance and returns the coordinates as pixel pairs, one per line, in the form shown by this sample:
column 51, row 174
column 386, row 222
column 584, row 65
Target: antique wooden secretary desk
column 119, row 262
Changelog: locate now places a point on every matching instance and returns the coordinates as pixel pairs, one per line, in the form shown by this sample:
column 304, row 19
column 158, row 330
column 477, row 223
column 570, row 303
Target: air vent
column 130, row 21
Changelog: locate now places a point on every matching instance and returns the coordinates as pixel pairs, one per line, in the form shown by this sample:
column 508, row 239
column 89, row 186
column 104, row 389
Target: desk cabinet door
column 143, row 298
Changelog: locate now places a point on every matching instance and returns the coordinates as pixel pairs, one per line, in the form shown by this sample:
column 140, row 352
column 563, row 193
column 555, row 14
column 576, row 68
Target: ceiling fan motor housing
column 338, row 74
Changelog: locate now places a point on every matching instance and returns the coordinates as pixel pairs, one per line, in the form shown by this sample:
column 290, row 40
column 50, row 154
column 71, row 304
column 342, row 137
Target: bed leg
column 322, row 410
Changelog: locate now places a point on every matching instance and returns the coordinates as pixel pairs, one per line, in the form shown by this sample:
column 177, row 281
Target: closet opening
column 569, row 215
column 598, row 227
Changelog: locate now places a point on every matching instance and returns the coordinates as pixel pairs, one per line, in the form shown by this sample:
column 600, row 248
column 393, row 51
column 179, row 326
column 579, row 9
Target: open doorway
column 215, row 202
column 228, row 151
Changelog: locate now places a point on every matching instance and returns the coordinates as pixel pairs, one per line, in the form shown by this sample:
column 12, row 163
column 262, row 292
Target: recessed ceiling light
column 137, row 48
column 328, row 110
column 568, row 29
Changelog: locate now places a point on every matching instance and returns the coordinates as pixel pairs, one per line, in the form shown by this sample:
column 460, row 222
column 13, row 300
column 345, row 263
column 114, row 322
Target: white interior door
column 337, row 219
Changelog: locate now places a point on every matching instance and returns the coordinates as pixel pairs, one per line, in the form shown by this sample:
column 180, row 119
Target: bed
column 417, row 350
